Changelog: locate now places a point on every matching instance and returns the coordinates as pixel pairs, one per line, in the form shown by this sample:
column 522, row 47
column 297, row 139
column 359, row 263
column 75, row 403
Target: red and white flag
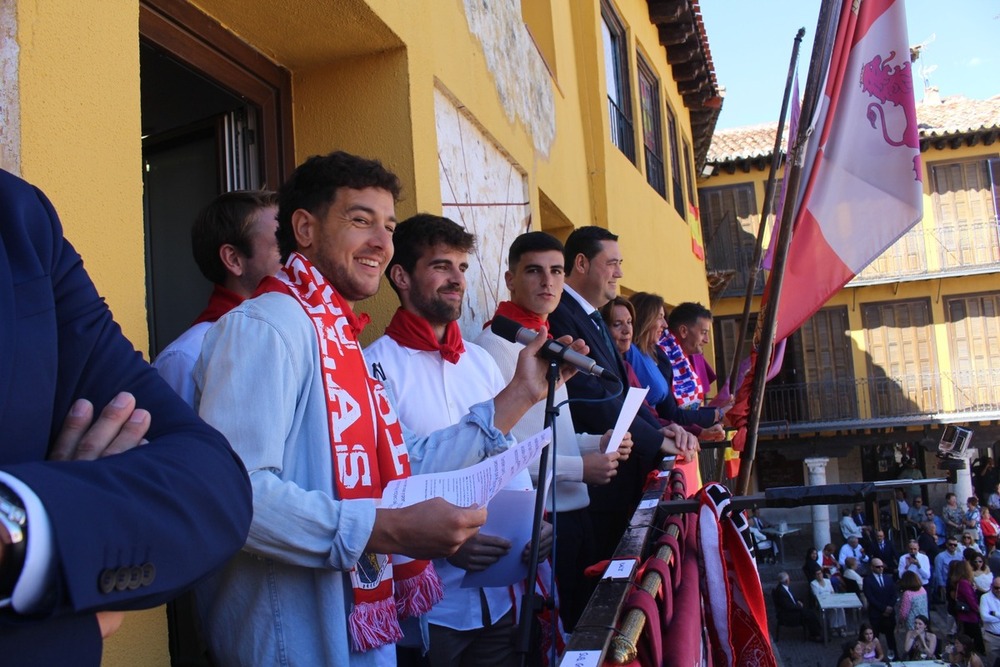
column 862, row 178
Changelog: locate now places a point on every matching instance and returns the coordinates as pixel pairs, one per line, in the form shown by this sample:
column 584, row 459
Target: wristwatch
column 15, row 521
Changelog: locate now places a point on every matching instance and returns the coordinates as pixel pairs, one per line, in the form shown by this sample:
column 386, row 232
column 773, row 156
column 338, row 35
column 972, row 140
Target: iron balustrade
column 914, row 395
column 622, row 134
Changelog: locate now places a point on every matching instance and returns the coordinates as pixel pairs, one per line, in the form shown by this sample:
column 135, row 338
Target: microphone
column 510, row 330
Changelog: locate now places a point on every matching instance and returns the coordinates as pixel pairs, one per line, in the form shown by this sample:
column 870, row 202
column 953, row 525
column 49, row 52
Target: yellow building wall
column 80, row 138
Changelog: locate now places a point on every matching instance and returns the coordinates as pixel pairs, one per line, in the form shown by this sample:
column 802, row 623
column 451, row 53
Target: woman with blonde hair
column 654, row 369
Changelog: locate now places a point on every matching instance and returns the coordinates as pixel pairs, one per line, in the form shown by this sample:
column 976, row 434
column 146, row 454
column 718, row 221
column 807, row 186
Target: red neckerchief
column 415, row 332
column 522, row 316
column 220, row 303
column 367, row 454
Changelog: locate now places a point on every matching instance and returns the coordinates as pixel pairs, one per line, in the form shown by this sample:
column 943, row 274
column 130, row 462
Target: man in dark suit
column 593, row 267
column 792, row 611
column 882, row 548
column 127, row 531
column 881, row 594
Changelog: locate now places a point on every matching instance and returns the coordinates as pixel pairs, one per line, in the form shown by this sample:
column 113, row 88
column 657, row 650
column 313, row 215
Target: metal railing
column 654, row 171
column 622, row 134
column 954, row 249
column 883, row 397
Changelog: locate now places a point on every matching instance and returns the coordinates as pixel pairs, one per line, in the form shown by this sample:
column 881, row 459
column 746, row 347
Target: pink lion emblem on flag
column 892, row 84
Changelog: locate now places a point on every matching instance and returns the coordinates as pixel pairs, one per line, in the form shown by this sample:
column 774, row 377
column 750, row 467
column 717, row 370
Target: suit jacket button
column 148, row 574
column 106, row 582
column 135, row 577
column 121, row 578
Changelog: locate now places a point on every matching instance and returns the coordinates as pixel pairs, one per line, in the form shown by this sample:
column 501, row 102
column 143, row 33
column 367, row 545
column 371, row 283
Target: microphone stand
column 530, row 603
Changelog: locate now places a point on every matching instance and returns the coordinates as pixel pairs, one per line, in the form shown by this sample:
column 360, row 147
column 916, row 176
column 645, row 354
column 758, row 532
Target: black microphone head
column 505, row 327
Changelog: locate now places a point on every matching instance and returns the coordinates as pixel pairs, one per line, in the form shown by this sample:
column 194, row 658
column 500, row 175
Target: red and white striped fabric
column 862, row 178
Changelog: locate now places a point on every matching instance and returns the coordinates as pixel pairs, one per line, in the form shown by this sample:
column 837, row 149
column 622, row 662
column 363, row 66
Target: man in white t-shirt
column 436, row 376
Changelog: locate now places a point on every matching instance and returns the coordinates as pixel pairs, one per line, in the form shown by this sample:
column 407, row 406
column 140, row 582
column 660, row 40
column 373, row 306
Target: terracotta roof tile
column 952, row 116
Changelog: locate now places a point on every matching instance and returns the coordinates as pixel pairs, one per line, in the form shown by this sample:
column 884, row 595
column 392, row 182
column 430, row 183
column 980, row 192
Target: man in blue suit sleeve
column 80, row 536
column 881, row 594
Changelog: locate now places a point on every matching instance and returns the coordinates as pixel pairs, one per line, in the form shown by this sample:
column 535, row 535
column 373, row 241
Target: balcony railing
column 883, row 397
column 953, row 248
column 654, row 171
column 621, row 130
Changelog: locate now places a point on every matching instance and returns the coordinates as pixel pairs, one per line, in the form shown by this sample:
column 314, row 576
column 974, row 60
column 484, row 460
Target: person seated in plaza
column 917, row 514
column 851, row 654
column 973, row 519
column 822, row 588
column 920, row 642
column 792, row 611
column 831, row 568
column 989, row 528
column 928, row 540
column 941, row 530
column 901, row 504
column 909, row 469
column 968, row 541
column 871, row 647
column 763, row 543
column 811, row 563
column 848, row 527
column 884, row 549
column 954, row 516
column 993, row 501
column 963, row 653
column 912, row 600
column 654, row 370
column 853, row 548
column 853, row 582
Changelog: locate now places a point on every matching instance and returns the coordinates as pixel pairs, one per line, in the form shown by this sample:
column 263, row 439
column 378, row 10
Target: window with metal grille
column 616, row 76
column 652, row 137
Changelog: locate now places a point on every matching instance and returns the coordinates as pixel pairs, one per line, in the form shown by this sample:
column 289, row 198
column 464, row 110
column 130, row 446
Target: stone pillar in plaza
column 820, row 513
column 963, row 482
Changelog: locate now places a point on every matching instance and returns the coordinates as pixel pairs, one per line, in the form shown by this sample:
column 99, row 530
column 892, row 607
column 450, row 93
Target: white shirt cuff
column 37, row 574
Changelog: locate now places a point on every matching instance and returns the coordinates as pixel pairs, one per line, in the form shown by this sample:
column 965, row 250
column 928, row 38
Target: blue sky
column 751, row 42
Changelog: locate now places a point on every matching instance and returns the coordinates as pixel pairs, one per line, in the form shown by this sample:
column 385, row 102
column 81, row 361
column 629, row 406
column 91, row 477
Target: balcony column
column 820, row 513
column 963, row 481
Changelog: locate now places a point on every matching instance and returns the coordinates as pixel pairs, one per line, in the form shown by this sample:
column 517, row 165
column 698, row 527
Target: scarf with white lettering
column 368, row 451
column 687, row 388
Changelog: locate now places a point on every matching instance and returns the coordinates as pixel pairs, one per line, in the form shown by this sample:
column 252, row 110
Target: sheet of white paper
column 619, row 569
column 474, row 486
column 633, row 399
column 508, row 516
column 581, row 659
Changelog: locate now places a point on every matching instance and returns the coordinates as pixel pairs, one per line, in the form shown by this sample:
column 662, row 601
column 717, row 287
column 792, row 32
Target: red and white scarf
column 368, row 452
column 687, row 388
column 734, row 601
column 414, row 332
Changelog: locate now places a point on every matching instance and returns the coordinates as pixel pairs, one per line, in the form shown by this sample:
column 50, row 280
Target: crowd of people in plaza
column 947, row 561
column 297, row 561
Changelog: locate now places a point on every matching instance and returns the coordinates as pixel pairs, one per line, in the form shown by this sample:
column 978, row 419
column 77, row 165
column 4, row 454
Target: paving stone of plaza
column 794, row 649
